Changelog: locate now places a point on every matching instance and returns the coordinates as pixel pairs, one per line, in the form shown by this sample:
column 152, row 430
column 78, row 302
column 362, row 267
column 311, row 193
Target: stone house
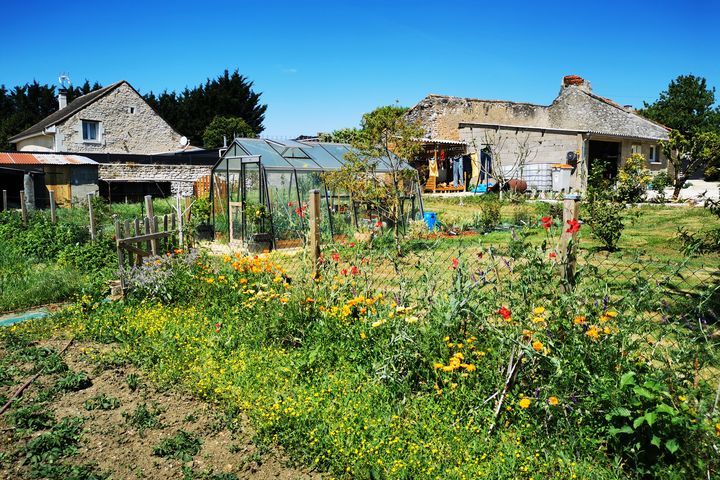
column 134, row 147
column 527, row 140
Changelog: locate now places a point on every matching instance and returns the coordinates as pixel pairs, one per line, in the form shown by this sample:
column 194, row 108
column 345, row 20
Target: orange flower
column 537, row 345
column 524, row 403
column 579, row 320
column 593, row 333
column 553, row 400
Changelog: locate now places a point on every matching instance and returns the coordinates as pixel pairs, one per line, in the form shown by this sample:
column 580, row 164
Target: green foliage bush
column 660, row 181
column 489, row 217
column 605, row 219
column 633, row 179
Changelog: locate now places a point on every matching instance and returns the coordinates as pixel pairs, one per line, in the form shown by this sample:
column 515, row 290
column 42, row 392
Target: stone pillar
column 29, row 187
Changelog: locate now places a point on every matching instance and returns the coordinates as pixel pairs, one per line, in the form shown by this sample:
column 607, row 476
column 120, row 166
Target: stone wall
column 141, row 132
column 181, row 177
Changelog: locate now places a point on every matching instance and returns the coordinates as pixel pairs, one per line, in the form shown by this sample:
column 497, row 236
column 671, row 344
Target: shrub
column 605, row 219
column 660, row 181
column 712, row 174
column 489, row 217
column 633, row 179
column 166, row 278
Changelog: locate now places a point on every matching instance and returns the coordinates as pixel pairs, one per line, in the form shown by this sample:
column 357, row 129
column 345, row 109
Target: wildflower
column 552, row 255
column 284, row 300
column 378, row 323
column 538, row 320
column 309, row 300
column 593, row 333
column 524, row 403
column 335, row 256
column 611, row 313
column 539, row 310
column 717, row 429
column 412, row 319
column 573, row 226
column 438, row 366
column 218, row 326
column 351, row 244
column 546, row 222
column 537, row 345
column 363, row 336
column 290, row 204
column 210, row 280
column 682, row 398
column 378, row 224
column 504, row 312
column 455, row 263
column 553, row 401
column 354, row 270
column 470, row 367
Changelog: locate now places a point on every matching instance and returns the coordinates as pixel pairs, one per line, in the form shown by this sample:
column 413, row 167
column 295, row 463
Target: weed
column 73, row 382
column 143, row 418
column 59, row 442
column 182, row 446
column 67, row 472
column 102, row 402
column 34, row 417
column 190, row 418
column 133, row 382
column 190, row 474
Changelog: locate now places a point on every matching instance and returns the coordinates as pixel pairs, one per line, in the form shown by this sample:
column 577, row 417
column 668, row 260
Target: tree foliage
column 687, row 106
column 228, row 127
column 342, row 135
column 23, row 106
column 687, row 154
column 191, row 111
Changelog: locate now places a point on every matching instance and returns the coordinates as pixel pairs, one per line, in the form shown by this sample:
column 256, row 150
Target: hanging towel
column 433, row 168
column 475, row 168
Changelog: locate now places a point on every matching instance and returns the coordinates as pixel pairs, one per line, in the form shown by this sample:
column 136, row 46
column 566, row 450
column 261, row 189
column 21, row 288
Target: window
column 636, row 148
column 131, row 110
column 653, row 157
column 90, row 131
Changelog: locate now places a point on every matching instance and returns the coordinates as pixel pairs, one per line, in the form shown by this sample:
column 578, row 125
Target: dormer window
column 90, row 131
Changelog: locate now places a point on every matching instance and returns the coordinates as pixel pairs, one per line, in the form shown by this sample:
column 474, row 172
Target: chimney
column 574, row 80
column 62, row 98
column 629, row 108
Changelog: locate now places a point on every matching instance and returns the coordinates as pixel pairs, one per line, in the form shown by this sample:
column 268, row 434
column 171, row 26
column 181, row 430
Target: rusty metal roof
column 19, row 158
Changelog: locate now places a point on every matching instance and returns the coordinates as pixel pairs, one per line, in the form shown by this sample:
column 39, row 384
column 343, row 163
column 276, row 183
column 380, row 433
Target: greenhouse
column 260, row 190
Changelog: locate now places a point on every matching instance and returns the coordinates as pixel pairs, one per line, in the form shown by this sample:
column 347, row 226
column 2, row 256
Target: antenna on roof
column 64, row 81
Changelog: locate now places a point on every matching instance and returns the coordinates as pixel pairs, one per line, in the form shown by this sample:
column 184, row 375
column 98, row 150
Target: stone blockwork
column 127, row 125
column 181, row 177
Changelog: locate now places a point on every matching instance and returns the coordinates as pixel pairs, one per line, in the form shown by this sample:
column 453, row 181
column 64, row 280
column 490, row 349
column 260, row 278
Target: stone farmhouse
column 527, row 140
column 136, row 150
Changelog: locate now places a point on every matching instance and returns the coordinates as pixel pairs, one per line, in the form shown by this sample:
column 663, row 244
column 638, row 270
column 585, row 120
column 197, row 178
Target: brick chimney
column 62, row 98
column 576, row 81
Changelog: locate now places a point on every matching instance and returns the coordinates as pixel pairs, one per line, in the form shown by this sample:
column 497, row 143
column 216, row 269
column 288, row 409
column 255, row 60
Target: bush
column 660, row 181
column 633, row 179
column 605, row 219
column 167, row 278
column 489, row 217
column 712, row 174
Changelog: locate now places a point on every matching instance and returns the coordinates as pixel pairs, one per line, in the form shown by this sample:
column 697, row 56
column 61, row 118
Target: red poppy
column 573, row 226
column 364, row 260
column 553, row 255
column 343, row 272
column 455, row 263
column 335, row 256
column 546, row 222
column 290, row 204
column 378, row 224
column 351, row 244
column 480, row 255
column 299, row 212
column 504, row 312
column 354, row 270
column 218, row 326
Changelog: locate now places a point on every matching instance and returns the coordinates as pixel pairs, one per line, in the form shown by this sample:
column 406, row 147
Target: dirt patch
column 131, row 418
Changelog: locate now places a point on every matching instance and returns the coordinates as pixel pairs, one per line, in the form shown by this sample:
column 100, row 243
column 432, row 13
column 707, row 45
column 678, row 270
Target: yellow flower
column 539, row 310
column 411, row 319
column 611, row 313
column 593, row 333
column 363, row 336
column 470, row 367
column 438, row 366
column 537, row 345
column 210, row 280
column 553, row 400
column 579, row 320
column 524, row 403
column 378, row 323
column 538, row 320
column 717, row 429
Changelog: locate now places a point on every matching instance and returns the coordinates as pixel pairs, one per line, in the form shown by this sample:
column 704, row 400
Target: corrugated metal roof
column 19, row 158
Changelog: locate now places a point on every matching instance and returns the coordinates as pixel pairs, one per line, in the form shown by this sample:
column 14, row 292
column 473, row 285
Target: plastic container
column 430, row 220
column 561, row 177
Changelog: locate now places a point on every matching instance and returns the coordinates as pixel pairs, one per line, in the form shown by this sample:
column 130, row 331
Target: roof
column 19, row 158
column 72, row 108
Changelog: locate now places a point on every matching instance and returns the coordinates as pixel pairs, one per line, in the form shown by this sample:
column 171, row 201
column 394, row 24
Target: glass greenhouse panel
column 286, row 209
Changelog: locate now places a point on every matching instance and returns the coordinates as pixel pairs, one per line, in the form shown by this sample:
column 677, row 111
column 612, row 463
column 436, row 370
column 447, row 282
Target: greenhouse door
column 236, row 230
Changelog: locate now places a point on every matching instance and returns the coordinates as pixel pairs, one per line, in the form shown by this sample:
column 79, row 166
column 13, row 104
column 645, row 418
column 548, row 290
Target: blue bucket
column 430, row 219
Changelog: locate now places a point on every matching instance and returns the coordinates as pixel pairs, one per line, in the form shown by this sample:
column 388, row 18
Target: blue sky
column 320, row 65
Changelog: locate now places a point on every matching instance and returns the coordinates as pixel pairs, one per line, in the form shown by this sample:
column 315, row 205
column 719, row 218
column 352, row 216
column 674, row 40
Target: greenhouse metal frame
column 259, row 192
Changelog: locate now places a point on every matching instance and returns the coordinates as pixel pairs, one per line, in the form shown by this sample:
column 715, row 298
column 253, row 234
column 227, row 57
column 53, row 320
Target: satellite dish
column 184, row 141
column 64, row 81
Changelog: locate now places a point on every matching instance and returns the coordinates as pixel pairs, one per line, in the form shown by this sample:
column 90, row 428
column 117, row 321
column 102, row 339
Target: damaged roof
column 72, row 108
column 19, row 158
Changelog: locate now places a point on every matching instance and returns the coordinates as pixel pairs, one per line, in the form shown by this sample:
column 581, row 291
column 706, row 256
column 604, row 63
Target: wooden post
column 93, row 231
column 314, row 223
column 4, row 200
column 23, row 207
column 53, row 213
column 121, row 257
column 154, row 229
column 568, row 247
column 151, row 224
column 166, row 240
column 181, row 216
column 138, row 229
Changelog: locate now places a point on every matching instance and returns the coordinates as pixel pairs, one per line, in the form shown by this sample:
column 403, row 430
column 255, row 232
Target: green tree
column 687, row 106
column 228, row 127
column 342, row 135
column 192, row 110
column 385, row 136
column 687, row 154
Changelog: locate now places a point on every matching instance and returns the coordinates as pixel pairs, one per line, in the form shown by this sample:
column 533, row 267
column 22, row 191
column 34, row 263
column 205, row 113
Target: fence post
column 93, row 231
column 314, row 223
column 4, row 200
column 121, row 257
column 150, row 214
column 178, row 209
column 53, row 213
column 23, row 207
column 568, row 248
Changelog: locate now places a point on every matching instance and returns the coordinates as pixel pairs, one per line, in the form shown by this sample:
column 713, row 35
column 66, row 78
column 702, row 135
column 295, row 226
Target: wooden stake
column 23, row 207
column 93, row 231
column 151, row 224
column 53, row 213
column 571, row 211
column 121, row 256
column 314, row 223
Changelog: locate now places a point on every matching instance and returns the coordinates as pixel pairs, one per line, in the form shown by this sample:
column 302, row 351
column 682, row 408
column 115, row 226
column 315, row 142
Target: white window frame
column 634, row 147
column 97, row 140
column 654, row 156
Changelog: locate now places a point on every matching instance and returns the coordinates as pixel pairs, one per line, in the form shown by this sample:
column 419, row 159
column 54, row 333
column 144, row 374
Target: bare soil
column 121, row 451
